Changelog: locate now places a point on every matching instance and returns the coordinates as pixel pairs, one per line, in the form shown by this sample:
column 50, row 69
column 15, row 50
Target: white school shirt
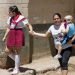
column 20, row 25
column 57, row 34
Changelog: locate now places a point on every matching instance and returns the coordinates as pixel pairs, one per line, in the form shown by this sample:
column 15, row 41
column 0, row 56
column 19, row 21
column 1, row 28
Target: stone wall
column 4, row 6
column 38, row 11
column 41, row 11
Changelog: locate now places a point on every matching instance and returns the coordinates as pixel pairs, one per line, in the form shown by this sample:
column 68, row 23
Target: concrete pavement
column 43, row 66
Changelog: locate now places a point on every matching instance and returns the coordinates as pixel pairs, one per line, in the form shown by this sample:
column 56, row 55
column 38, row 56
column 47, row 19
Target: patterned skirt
column 15, row 38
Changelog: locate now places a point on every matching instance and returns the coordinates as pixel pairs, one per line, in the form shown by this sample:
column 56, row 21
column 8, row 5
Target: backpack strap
column 20, row 21
column 16, row 23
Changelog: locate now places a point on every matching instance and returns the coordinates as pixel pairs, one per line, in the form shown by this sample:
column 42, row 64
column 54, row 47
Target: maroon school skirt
column 15, row 38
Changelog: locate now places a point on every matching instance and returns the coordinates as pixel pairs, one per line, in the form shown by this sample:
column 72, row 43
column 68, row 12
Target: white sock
column 12, row 56
column 17, row 61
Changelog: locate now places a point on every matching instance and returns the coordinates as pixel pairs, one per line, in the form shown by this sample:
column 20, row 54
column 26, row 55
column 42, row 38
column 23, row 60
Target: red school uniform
column 16, row 37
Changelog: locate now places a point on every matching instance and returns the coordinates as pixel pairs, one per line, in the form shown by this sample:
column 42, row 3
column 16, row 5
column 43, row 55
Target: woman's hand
column 69, row 42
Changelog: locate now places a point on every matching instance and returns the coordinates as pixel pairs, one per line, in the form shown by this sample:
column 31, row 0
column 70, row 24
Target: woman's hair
column 58, row 14
column 14, row 9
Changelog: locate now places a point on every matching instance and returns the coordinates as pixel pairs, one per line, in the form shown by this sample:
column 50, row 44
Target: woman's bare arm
column 41, row 34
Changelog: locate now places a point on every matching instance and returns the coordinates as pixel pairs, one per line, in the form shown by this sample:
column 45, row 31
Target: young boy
column 69, row 35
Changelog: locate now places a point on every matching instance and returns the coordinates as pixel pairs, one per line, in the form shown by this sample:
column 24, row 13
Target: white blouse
column 58, row 35
column 21, row 24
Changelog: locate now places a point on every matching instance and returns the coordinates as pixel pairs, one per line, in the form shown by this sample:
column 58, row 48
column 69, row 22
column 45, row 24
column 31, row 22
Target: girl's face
column 11, row 14
column 57, row 20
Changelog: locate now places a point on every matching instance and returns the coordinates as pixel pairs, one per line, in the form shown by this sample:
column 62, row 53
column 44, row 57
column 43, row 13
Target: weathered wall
column 4, row 5
column 41, row 11
column 38, row 11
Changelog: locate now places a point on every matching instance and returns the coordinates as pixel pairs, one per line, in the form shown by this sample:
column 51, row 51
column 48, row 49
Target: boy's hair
column 68, row 17
column 67, row 20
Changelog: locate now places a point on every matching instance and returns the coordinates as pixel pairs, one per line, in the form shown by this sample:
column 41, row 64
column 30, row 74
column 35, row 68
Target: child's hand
column 62, row 31
column 31, row 32
column 3, row 39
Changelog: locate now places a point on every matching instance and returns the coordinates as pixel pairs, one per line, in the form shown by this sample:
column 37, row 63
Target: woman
column 15, row 35
column 55, row 30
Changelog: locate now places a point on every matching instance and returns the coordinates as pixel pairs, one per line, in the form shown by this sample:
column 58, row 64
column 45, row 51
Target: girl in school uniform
column 15, row 38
